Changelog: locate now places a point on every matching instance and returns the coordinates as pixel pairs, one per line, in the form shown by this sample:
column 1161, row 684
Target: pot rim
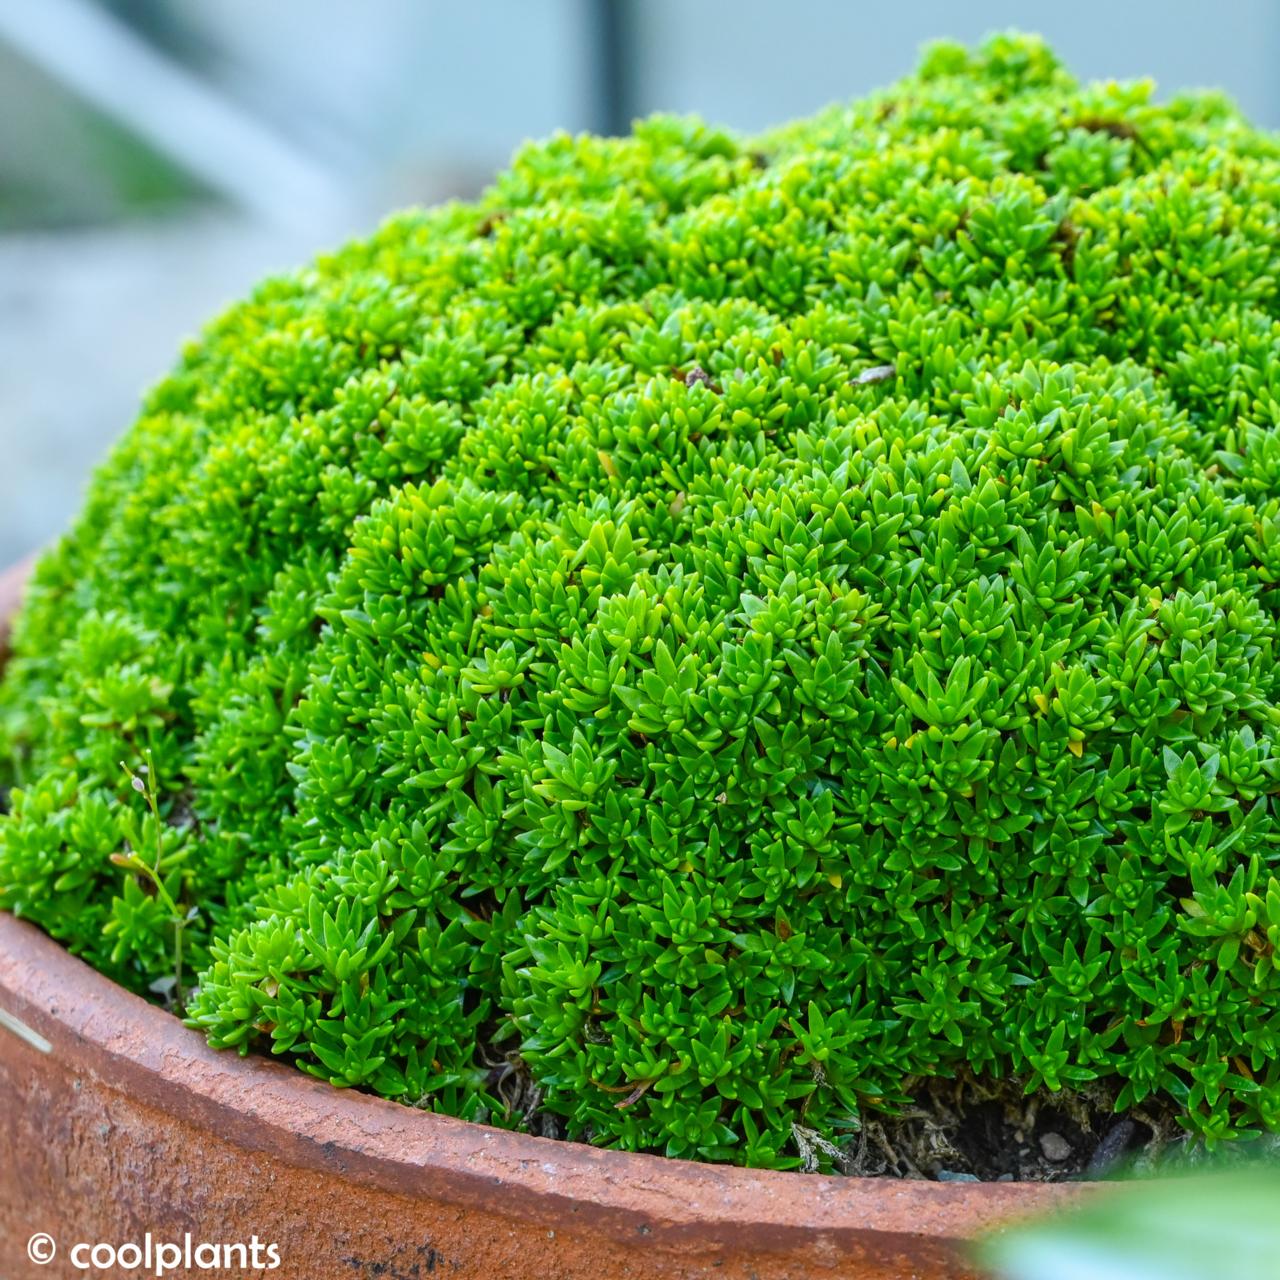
column 63, row 1007
column 139, row 1049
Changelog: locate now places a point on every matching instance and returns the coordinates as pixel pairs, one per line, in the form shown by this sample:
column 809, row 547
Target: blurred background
column 157, row 156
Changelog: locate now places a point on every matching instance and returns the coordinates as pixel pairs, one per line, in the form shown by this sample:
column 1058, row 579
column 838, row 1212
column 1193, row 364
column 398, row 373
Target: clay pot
column 116, row 1121
column 12, row 581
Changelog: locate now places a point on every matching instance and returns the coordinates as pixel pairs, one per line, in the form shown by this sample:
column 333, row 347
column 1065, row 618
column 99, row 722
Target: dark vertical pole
column 613, row 55
column 161, row 25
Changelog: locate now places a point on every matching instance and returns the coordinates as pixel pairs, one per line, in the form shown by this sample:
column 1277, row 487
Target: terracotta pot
column 12, row 580
column 116, row 1121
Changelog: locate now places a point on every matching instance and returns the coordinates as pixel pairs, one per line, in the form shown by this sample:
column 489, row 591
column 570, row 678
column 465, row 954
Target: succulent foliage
column 721, row 628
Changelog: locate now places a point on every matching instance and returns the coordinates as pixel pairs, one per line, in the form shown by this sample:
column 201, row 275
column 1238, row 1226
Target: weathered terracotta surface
column 128, row 1123
column 115, row 1121
column 12, row 580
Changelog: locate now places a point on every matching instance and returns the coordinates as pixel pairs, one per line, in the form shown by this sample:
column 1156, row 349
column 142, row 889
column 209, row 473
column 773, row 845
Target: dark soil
column 966, row 1129
column 958, row 1130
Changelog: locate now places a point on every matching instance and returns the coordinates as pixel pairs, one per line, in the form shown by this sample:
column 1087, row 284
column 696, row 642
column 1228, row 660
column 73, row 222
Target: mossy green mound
column 722, row 630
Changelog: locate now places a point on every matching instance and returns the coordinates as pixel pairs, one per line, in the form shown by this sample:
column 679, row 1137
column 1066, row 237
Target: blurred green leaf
column 1213, row 1227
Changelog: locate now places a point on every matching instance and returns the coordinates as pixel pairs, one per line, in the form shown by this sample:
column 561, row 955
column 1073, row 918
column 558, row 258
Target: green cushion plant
column 725, row 630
